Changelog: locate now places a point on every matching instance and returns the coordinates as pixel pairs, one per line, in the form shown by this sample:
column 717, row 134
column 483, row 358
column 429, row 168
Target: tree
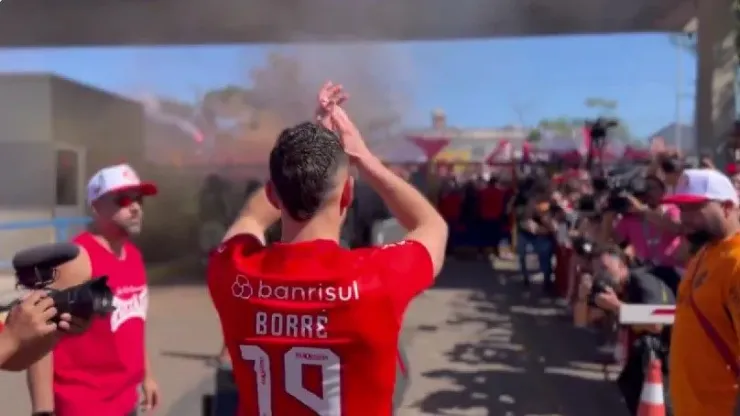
column 605, row 106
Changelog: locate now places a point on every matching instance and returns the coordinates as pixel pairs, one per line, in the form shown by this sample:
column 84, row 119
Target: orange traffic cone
column 651, row 399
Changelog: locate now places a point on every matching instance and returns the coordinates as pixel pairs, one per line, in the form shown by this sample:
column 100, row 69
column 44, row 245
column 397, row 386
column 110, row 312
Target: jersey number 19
column 329, row 404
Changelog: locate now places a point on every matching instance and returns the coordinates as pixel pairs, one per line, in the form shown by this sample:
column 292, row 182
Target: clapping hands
column 332, row 116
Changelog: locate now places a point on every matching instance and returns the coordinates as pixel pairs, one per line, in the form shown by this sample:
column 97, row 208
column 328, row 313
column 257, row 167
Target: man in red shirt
column 100, row 371
column 491, row 205
column 312, row 328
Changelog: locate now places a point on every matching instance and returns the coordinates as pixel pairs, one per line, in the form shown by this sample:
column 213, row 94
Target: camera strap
column 650, row 242
column 720, row 345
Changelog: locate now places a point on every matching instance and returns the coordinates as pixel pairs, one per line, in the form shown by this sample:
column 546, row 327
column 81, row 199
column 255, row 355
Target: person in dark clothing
column 620, row 284
column 469, row 213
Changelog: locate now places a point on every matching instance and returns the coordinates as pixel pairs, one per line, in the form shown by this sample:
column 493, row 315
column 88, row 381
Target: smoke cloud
column 378, row 78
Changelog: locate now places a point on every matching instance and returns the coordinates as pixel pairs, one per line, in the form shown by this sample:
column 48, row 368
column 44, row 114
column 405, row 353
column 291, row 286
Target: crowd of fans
column 602, row 237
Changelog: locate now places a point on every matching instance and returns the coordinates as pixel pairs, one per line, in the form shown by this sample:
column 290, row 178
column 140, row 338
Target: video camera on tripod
column 598, row 131
column 36, row 269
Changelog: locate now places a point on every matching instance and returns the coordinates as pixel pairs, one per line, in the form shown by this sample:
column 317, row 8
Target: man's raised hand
column 330, row 96
column 335, row 118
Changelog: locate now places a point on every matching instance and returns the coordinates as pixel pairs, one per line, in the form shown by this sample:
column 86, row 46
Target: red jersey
column 450, row 205
column 312, row 328
column 98, row 372
column 491, row 202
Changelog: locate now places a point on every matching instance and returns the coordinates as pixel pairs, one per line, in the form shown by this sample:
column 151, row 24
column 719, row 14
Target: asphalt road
column 478, row 345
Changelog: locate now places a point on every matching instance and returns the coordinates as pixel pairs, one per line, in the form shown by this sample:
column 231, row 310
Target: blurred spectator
column 491, row 208
column 614, row 284
column 536, row 230
column 653, row 230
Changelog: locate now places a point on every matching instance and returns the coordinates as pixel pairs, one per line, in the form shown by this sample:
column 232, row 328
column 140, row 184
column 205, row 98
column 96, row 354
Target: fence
column 647, row 314
column 64, row 228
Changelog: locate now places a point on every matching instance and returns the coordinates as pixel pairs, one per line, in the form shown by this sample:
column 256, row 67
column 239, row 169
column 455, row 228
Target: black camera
column 599, row 286
column 632, row 183
column 93, row 297
column 584, row 247
column 36, row 269
column 600, row 127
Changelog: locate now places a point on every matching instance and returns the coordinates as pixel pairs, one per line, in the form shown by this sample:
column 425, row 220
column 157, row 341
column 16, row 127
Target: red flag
column 430, row 146
column 502, row 153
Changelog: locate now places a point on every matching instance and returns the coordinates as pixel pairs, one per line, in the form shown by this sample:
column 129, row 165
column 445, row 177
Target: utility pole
column 679, row 96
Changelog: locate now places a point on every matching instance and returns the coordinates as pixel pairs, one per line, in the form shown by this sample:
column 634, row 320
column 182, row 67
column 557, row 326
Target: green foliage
column 566, row 125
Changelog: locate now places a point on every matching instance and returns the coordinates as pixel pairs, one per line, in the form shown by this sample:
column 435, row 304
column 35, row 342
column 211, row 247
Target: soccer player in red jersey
column 312, row 328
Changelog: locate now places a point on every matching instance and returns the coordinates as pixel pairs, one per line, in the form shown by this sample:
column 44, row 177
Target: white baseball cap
column 702, row 185
column 117, row 178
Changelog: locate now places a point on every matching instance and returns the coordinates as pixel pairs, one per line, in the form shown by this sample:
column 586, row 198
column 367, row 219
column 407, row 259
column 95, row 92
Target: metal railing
column 62, row 227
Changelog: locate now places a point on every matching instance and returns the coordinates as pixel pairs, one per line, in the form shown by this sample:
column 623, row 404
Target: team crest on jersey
column 241, row 288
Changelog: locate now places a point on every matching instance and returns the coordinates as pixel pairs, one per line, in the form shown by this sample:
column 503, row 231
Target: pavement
column 478, row 343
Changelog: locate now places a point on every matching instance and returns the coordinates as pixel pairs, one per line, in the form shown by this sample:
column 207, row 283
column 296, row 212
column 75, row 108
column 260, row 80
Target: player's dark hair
column 303, row 167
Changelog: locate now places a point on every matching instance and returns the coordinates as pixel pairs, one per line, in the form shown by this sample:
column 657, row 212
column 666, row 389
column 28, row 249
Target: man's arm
column 27, row 355
column 257, row 215
column 666, row 217
column 40, row 375
column 732, row 294
column 412, row 210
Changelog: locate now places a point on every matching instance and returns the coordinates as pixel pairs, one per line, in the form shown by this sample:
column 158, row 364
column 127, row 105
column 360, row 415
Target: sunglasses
column 126, row 200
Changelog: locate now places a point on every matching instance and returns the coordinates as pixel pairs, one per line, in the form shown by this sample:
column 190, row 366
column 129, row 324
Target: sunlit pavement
column 482, row 345
column 477, row 345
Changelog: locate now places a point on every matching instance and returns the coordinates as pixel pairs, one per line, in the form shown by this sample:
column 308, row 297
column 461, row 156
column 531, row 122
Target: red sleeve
column 407, row 270
column 220, row 272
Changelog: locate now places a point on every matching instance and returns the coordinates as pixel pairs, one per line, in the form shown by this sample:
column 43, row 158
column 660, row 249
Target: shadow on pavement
column 528, row 360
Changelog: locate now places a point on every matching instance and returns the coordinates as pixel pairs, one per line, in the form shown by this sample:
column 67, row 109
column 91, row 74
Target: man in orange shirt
column 704, row 346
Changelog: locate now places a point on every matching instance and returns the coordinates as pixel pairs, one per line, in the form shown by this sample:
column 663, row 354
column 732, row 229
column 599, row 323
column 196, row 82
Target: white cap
column 701, row 185
column 115, row 179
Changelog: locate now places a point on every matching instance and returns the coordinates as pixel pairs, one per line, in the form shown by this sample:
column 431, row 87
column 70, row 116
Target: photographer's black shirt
column 647, row 289
column 644, row 288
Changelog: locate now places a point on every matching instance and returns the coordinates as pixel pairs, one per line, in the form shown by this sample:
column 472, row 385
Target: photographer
column 615, row 284
column 651, row 229
column 29, row 333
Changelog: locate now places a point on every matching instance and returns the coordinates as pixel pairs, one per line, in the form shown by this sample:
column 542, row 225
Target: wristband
column 43, row 414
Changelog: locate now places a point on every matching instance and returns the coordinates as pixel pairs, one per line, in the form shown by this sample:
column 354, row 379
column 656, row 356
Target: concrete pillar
column 715, row 82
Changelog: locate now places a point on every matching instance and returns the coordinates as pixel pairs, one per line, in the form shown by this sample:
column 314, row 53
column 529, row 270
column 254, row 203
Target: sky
column 482, row 83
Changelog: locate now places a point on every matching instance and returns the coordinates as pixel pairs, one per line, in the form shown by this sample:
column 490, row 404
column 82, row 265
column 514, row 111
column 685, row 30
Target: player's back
column 312, row 328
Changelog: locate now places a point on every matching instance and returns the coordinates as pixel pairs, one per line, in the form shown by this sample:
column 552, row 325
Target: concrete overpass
column 114, row 22
column 168, row 22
